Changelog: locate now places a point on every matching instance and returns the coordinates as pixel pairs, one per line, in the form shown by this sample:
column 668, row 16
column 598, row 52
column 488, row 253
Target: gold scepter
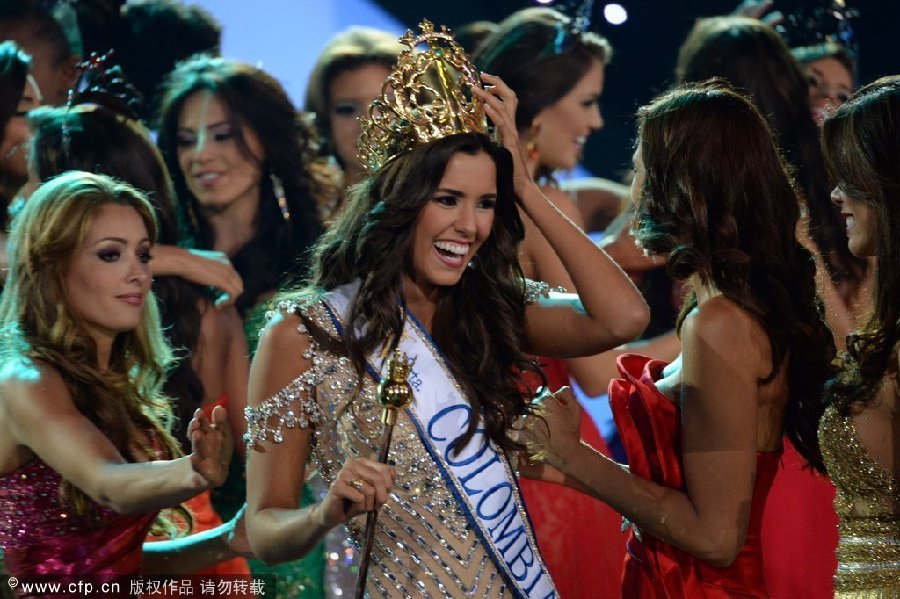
column 394, row 393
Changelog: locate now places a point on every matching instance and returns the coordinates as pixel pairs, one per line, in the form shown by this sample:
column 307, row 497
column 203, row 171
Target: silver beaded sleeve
column 294, row 406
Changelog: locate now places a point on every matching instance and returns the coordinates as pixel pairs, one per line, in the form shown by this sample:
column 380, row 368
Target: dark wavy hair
column 14, row 68
column 861, row 140
column 94, row 137
column 537, row 56
column 479, row 322
column 754, row 59
column 728, row 211
column 277, row 252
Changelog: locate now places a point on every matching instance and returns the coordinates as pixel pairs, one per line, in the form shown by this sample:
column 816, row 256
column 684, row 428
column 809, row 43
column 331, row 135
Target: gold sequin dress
column 424, row 544
column 866, row 502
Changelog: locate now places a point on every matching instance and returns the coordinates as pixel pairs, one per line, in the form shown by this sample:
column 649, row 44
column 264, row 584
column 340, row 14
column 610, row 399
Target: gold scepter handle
column 394, row 393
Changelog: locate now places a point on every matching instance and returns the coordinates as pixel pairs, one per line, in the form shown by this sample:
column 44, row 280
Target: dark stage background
column 645, row 49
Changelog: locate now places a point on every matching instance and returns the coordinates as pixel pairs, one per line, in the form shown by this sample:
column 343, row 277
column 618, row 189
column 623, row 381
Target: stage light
column 615, row 14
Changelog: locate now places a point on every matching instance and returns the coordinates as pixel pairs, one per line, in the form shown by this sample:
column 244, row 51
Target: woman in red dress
column 703, row 434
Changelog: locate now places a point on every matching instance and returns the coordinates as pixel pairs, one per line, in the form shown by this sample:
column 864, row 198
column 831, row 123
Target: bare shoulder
column 283, row 332
column 280, row 358
column 720, row 317
column 29, row 390
column 721, row 325
column 24, row 378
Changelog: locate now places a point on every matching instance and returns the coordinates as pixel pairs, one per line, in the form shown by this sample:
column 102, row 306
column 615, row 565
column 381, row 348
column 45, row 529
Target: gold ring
column 356, row 483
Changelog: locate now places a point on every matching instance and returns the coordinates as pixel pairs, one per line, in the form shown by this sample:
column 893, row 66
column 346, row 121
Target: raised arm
column 277, row 528
column 608, row 310
column 719, row 400
column 37, row 412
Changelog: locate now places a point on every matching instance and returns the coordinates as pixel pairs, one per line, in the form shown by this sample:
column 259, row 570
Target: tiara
column 425, row 98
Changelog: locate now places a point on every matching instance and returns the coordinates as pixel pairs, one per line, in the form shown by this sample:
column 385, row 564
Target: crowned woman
column 424, row 260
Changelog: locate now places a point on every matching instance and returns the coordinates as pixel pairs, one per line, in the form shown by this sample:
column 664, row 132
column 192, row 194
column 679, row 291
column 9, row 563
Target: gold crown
column 425, row 98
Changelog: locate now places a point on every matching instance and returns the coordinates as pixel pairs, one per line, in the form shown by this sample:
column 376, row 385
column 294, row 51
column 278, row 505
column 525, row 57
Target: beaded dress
column 425, row 545
column 867, row 503
column 42, row 538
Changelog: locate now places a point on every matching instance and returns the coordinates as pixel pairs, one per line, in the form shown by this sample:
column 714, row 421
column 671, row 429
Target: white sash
column 479, row 476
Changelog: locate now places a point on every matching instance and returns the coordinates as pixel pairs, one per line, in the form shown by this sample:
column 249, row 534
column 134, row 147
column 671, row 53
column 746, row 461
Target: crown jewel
column 425, row 98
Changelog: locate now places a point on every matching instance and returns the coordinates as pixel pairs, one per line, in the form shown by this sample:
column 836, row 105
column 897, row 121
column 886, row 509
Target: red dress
column 649, row 425
column 800, row 531
column 44, row 540
column 580, row 538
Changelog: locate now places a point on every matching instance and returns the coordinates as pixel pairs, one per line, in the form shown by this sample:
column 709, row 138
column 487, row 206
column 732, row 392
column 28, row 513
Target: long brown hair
column 728, row 212
column 753, row 58
column 479, row 322
column 38, row 323
column 861, row 141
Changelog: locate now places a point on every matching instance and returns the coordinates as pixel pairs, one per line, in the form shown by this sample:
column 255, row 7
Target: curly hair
column 525, row 52
column 478, row 323
column 277, row 252
column 728, row 212
column 90, row 136
column 861, row 142
column 753, row 58
column 38, row 322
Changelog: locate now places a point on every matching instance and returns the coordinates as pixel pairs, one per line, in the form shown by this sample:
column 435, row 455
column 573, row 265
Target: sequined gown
column 424, row 545
column 649, row 425
column 867, row 503
column 41, row 538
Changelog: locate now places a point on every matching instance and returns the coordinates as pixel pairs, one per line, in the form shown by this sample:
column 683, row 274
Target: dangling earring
column 531, row 150
column 278, row 188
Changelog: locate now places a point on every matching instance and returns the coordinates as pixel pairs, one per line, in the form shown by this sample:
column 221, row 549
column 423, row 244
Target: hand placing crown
column 426, row 97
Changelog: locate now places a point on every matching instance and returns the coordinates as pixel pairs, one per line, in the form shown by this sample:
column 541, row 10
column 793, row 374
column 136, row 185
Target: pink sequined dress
column 43, row 540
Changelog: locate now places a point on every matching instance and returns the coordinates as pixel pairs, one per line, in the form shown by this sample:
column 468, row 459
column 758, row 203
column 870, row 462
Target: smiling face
column 830, row 85
column 16, row 135
column 108, row 279
column 350, row 94
column 454, row 223
column 215, row 169
column 860, row 221
column 564, row 126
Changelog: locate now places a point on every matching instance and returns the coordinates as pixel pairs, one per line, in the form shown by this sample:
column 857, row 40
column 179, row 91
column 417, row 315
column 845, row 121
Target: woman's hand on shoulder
column 211, row 446
column 362, row 485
